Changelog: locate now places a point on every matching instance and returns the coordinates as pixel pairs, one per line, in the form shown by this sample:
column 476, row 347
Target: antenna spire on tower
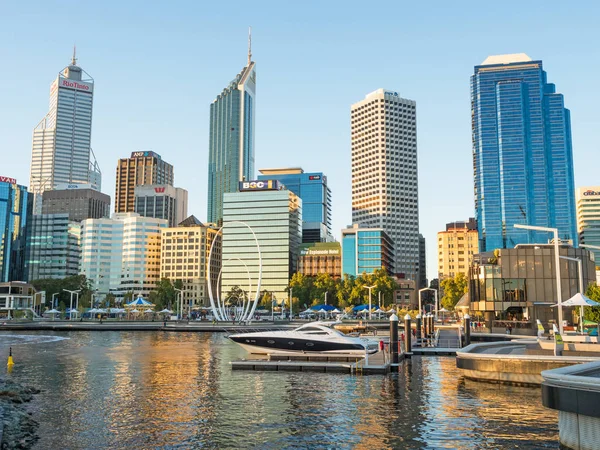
column 249, row 45
column 74, row 59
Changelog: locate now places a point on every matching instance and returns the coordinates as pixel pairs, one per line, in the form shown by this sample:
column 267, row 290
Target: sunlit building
column 365, row 250
column 588, row 220
column 320, row 257
column 456, row 247
column 162, row 202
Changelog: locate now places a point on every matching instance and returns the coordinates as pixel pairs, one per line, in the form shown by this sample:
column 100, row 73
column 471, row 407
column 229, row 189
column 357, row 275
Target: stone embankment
column 19, row 430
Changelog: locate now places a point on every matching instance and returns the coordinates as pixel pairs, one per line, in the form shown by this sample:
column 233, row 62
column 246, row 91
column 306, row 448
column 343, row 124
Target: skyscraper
column 142, row 168
column 522, row 155
column 162, row 202
column 588, row 218
column 385, row 190
column 316, row 200
column 231, row 138
column 61, row 150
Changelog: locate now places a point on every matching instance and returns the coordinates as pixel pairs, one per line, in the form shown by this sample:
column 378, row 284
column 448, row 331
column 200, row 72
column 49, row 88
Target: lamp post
column 71, row 307
column 56, row 293
column 580, row 271
column 369, row 288
column 557, row 265
column 291, row 301
column 180, row 303
column 437, row 306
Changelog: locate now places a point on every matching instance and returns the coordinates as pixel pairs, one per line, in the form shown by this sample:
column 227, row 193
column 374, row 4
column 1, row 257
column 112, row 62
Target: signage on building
column 590, row 192
column 320, row 249
column 8, row 180
column 73, row 84
column 256, row 185
column 144, row 155
column 314, row 177
column 66, row 186
column 395, row 94
column 159, row 190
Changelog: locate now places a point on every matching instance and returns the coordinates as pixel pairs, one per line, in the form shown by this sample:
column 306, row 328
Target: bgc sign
column 256, row 185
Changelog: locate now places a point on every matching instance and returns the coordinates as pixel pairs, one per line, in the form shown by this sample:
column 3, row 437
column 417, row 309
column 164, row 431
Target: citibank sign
column 8, row 180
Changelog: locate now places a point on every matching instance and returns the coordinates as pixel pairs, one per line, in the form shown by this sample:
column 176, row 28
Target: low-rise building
column 365, row 250
column 456, row 247
column 320, row 257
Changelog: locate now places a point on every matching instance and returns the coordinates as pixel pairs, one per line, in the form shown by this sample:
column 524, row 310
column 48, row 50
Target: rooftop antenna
column 74, row 59
column 249, row 45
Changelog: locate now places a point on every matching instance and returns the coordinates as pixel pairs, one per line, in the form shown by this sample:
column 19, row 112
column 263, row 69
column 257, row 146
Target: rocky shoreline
column 19, row 430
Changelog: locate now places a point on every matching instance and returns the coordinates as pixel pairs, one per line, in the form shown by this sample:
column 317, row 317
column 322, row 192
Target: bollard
column 467, row 329
column 430, row 329
column 419, row 329
column 433, row 325
column 407, row 334
column 10, row 358
column 394, row 339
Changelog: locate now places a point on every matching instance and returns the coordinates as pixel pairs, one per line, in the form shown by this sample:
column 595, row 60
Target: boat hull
column 279, row 345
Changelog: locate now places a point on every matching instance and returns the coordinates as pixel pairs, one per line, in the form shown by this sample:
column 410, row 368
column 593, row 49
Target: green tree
column 324, row 283
column 166, row 296
column 57, row 286
column 454, row 289
column 593, row 313
column 302, row 287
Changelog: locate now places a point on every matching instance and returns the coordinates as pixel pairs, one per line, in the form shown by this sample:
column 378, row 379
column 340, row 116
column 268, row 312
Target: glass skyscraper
column 365, row 250
column 522, row 154
column 15, row 213
column 231, row 139
column 316, row 200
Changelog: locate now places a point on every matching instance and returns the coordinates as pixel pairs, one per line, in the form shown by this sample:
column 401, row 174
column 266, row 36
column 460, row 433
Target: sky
column 157, row 67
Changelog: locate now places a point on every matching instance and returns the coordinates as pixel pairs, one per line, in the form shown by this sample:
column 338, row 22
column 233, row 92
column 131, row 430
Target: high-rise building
column 275, row 216
column 122, row 254
column 365, row 250
column 15, row 214
column 422, row 262
column 316, row 200
column 61, row 151
column 588, row 218
column 184, row 256
column 522, row 154
column 320, row 257
column 79, row 201
column 161, row 201
column 456, row 247
column 385, row 190
column 140, row 169
column 53, row 249
column 231, row 139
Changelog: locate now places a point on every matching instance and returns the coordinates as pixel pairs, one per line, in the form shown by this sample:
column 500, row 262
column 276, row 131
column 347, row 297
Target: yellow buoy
column 10, row 358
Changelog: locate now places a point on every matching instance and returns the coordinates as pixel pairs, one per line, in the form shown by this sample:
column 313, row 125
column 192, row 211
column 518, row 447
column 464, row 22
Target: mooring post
column 467, row 327
column 407, row 334
column 419, row 323
column 394, row 339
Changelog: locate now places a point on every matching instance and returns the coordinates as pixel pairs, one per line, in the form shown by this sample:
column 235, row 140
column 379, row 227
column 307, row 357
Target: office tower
column 365, row 250
column 456, row 247
column 316, row 200
column 122, row 254
column 162, row 202
column 588, row 218
column 384, row 173
column 320, row 257
column 15, row 213
column 140, row 169
column 522, row 155
column 422, row 262
column 275, row 215
column 231, row 138
column 79, row 201
column 61, row 150
column 53, row 249
column 184, row 256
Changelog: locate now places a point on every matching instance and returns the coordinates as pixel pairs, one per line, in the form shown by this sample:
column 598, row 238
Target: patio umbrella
column 579, row 300
column 166, row 311
column 391, row 311
column 336, row 311
column 149, row 310
column 53, row 311
column 134, row 311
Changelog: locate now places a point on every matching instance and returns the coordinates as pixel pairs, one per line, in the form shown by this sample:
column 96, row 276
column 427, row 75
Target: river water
column 141, row 390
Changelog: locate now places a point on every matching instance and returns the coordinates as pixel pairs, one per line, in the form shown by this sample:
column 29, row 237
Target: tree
column 324, row 283
column 454, row 289
column 593, row 293
column 166, row 295
column 58, row 286
column 302, row 287
column 235, row 295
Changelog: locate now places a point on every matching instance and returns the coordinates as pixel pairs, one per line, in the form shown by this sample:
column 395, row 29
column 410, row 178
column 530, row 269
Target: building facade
column 142, row 168
column 385, row 190
column 122, row 254
column 61, row 150
column 79, row 201
column 456, row 247
column 365, row 250
column 275, row 216
column 162, row 202
column 520, row 283
column 184, row 256
column 588, row 218
column 522, row 154
column 316, row 200
column 53, row 247
column 422, row 262
column 16, row 205
column 320, row 257
column 231, row 138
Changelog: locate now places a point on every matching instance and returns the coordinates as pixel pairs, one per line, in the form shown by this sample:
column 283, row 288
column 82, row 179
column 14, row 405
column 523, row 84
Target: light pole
column 437, row 305
column 71, row 307
column 180, row 303
column 580, row 270
column 325, row 298
column 369, row 288
column 291, row 301
column 56, row 293
column 557, row 265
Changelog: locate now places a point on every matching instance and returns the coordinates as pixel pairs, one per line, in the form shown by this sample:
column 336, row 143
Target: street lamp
column 369, row 288
column 180, row 305
column 580, row 270
column 71, row 307
column 56, row 293
column 437, row 305
column 557, row 265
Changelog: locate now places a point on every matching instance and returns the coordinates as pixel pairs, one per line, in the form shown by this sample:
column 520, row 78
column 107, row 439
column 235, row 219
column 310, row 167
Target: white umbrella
column 166, row 311
column 579, row 300
column 52, row 311
column 391, row 311
column 101, row 311
column 93, row 310
column 336, row 311
column 149, row 310
column 134, row 311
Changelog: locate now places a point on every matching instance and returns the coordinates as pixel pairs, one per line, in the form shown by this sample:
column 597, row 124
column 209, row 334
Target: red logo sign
column 8, row 180
column 74, row 84
column 159, row 190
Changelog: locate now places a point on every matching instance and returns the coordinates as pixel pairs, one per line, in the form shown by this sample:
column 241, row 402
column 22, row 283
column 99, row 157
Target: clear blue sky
column 158, row 65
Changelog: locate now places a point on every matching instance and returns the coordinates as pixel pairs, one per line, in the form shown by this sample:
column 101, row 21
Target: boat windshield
column 318, row 329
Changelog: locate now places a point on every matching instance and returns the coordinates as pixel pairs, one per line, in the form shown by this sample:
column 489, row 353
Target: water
column 176, row 390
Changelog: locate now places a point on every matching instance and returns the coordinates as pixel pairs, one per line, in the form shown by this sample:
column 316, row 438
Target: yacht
column 312, row 338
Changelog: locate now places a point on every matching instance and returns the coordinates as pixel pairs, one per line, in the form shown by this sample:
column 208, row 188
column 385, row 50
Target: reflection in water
column 158, row 389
